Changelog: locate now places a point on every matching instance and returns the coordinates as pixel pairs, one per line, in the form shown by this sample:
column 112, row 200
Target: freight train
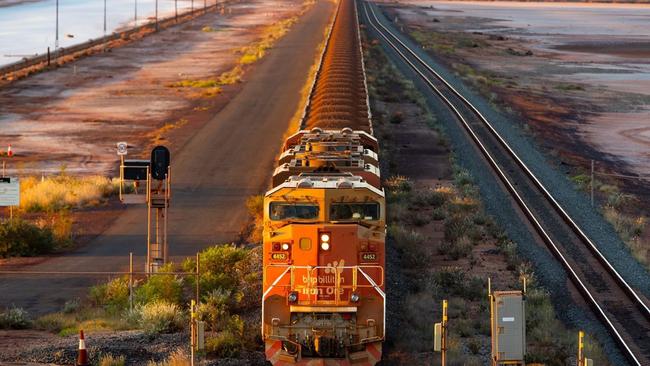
column 324, row 300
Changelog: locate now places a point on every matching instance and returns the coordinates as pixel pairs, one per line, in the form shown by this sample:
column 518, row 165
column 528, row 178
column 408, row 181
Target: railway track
column 624, row 312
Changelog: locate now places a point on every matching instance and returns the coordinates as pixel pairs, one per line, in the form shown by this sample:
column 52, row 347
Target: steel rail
column 574, row 226
column 521, row 202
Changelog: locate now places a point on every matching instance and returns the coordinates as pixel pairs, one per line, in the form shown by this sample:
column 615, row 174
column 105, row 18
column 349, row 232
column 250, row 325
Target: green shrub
column 456, row 282
column 457, row 227
column 438, row 214
column 22, row 238
column 71, row 306
column 410, row 245
column 14, row 318
column 161, row 287
column 223, row 345
column 229, row 268
column 161, row 317
column 215, row 308
column 461, row 248
column 54, row 322
column 113, row 295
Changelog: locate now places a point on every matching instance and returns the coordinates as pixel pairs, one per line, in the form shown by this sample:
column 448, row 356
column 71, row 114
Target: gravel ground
column 137, row 348
column 497, row 203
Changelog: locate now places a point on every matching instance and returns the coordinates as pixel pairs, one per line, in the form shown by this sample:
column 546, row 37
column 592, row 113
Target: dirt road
column 226, row 161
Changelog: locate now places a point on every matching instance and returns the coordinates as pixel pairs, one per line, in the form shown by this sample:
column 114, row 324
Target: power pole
column 135, row 14
column 156, row 14
column 104, row 18
column 56, row 39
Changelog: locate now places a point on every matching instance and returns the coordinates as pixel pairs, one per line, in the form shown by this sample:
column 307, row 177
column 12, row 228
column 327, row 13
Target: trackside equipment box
column 508, row 325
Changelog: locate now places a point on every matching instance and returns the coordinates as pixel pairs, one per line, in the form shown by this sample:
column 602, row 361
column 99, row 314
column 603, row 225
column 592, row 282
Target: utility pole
column 156, row 14
column 592, row 183
column 135, row 14
column 56, row 39
column 104, row 18
column 176, row 11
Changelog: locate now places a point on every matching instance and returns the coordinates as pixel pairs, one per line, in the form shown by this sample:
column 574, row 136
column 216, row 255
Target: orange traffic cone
column 82, row 357
column 9, row 152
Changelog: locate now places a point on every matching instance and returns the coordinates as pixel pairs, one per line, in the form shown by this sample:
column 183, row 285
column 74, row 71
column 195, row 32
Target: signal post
column 155, row 174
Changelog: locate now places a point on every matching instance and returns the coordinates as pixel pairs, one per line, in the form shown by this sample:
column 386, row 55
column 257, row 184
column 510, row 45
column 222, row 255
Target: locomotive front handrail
column 312, row 287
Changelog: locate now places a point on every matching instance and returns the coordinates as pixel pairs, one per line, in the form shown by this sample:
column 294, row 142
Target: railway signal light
column 160, row 160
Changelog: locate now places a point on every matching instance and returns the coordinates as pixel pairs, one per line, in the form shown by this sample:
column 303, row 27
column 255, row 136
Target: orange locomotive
column 324, row 222
column 324, row 233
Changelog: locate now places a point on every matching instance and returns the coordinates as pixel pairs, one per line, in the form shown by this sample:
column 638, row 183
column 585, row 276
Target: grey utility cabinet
column 508, row 324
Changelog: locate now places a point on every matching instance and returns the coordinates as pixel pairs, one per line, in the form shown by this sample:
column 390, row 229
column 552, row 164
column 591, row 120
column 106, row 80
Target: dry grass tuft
column 177, row 358
column 62, row 192
column 110, row 360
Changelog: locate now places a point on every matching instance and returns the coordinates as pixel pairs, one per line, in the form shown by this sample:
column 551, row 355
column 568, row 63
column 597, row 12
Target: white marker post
column 121, row 152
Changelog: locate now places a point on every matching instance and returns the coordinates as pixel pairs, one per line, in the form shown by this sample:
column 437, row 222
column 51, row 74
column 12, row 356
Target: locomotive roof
column 330, row 181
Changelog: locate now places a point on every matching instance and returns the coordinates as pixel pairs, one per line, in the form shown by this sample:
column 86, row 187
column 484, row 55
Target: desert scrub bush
column 454, row 282
column 229, row 268
column 161, row 287
column 398, row 189
column 410, row 245
column 63, row 191
column 458, row 226
column 178, row 358
column 14, row 318
column 112, row 295
column 215, row 307
column 549, row 343
column 223, row 345
column 458, row 249
column 110, row 360
column 161, row 317
column 428, row 197
column 22, row 238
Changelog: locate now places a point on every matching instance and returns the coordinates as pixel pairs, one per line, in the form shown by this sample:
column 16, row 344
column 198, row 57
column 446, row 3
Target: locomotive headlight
column 285, row 246
column 293, row 296
column 325, row 241
column 355, row 297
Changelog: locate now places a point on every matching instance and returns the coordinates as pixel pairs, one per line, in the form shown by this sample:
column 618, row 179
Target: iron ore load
column 324, row 222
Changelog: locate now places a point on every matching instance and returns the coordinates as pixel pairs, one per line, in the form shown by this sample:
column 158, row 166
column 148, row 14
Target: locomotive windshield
column 295, row 211
column 354, row 211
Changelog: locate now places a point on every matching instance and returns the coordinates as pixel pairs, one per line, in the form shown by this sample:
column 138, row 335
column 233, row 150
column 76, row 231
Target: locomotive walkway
column 224, row 163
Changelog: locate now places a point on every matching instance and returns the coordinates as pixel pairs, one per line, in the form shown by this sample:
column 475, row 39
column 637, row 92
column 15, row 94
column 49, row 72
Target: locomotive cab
column 323, row 269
